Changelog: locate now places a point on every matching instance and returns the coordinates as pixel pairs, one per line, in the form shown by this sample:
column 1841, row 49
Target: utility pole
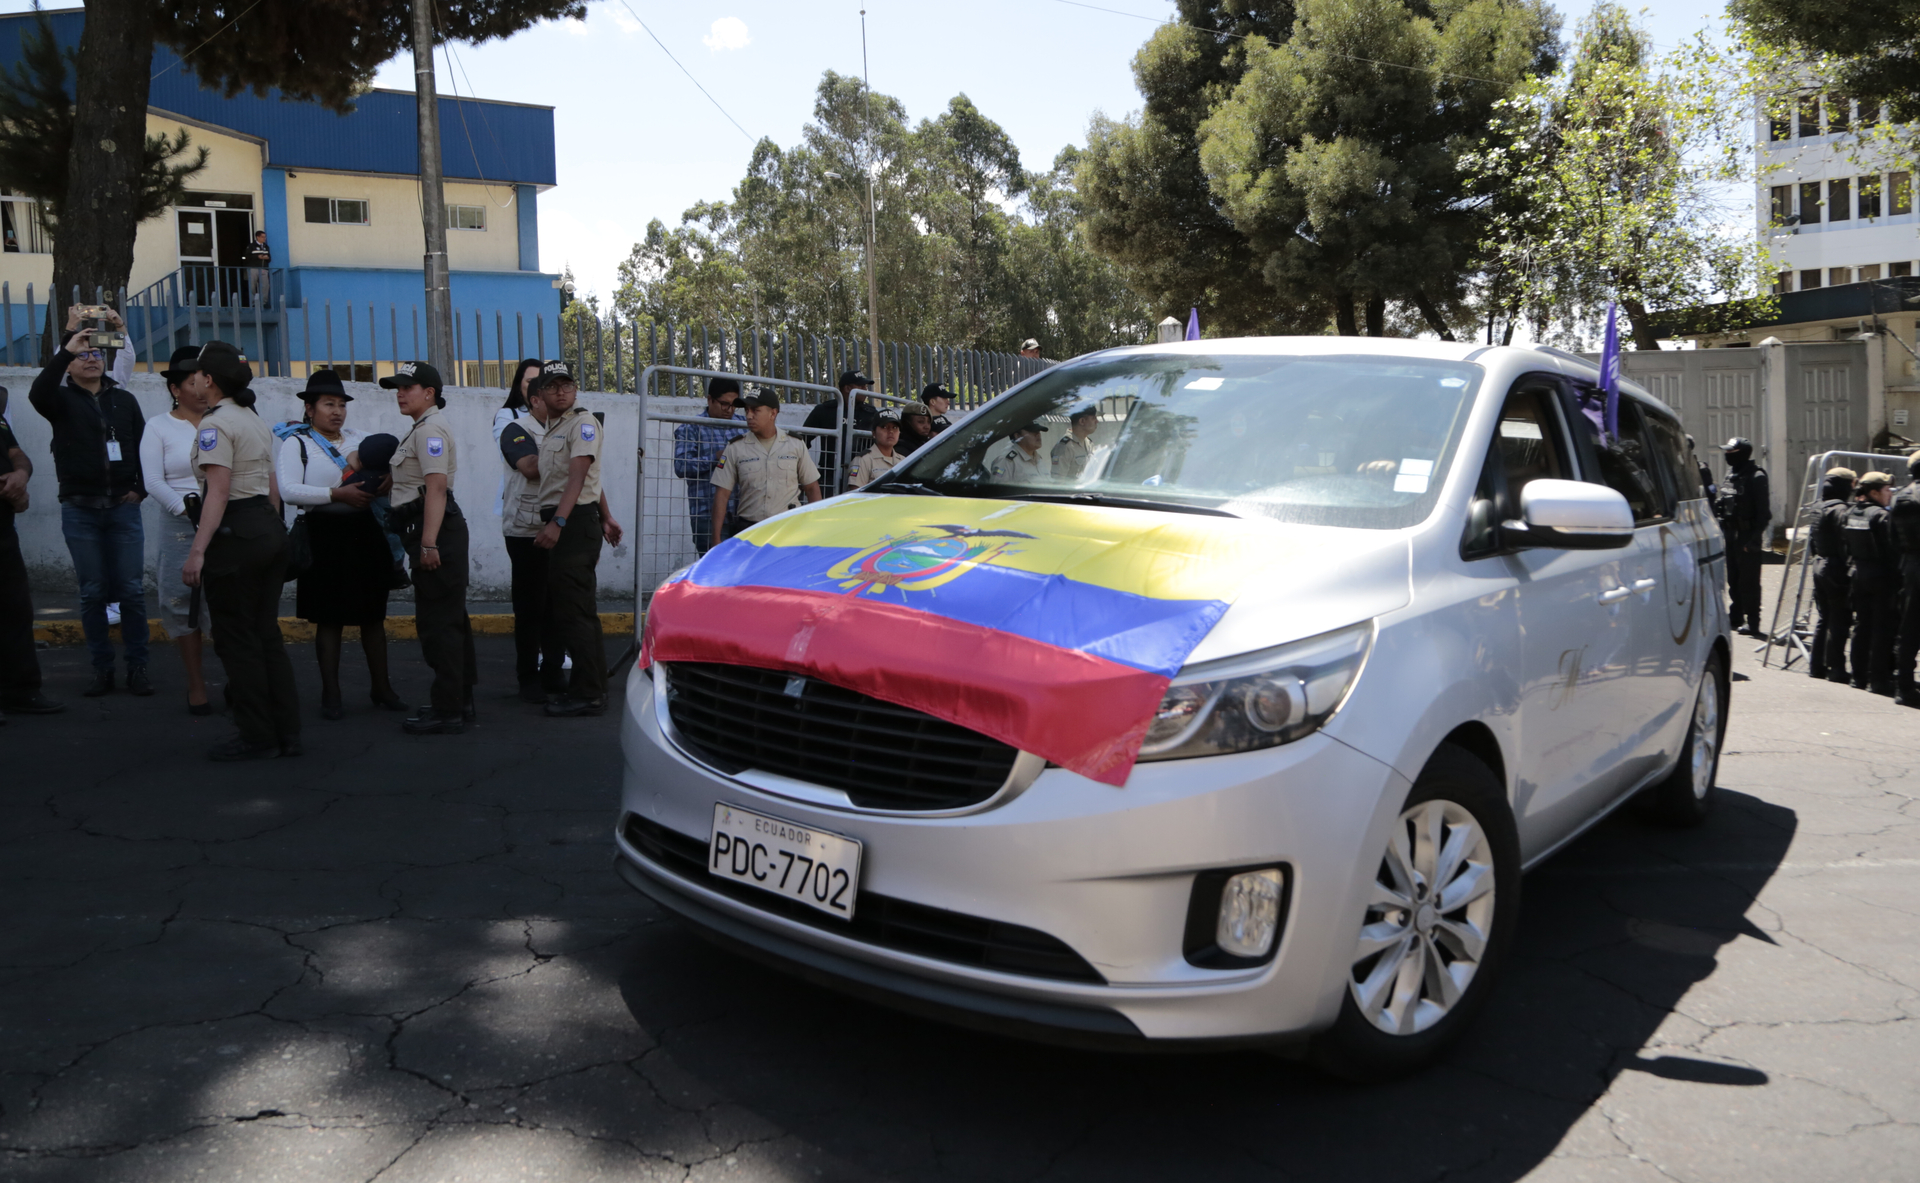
column 433, row 206
column 873, row 283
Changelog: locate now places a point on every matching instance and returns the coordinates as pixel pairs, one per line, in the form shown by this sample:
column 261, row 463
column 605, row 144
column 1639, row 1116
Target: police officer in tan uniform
column 882, row 458
column 764, row 472
column 1070, row 455
column 1019, row 463
column 239, row 556
column 576, row 521
column 434, row 532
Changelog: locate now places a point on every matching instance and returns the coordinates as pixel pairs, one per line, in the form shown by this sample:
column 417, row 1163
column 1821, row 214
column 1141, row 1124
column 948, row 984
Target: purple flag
column 1193, row 324
column 1610, row 371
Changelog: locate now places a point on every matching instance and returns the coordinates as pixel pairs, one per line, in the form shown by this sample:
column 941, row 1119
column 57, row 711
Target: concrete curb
column 297, row 631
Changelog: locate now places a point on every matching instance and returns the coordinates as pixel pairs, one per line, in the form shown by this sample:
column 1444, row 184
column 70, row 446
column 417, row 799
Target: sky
column 638, row 140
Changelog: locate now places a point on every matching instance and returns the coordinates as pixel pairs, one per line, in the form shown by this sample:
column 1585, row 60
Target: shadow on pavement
column 410, row 959
column 1614, row 933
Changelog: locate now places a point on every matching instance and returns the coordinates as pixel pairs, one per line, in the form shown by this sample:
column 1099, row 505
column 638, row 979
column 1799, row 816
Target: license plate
column 819, row 869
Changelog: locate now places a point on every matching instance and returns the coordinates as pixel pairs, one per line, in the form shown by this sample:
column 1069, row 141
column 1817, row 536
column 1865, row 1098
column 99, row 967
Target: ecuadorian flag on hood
column 1053, row 628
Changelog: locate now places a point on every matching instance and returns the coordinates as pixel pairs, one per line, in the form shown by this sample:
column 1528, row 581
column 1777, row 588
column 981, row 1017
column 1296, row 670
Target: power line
column 1317, row 49
column 683, row 69
column 196, row 49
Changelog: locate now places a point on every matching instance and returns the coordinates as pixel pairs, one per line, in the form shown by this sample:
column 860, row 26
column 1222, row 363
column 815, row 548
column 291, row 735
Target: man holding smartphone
column 97, row 427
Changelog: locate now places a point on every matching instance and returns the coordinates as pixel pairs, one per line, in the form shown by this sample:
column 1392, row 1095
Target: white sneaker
column 113, row 614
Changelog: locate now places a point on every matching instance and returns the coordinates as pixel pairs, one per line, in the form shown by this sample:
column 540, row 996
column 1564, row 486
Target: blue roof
column 479, row 140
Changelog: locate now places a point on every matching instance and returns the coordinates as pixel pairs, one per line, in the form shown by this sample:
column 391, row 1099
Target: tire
column 1686, row 797
column 1419, row 974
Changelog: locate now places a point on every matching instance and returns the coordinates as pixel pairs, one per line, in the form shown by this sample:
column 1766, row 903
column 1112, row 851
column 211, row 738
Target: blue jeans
column 109, row 557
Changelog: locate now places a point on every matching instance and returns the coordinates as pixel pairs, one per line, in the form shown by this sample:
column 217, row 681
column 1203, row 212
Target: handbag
column 299, row 549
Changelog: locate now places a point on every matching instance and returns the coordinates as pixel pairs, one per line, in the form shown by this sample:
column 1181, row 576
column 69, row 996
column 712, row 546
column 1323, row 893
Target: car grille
column 882, row 756
column 878, row 919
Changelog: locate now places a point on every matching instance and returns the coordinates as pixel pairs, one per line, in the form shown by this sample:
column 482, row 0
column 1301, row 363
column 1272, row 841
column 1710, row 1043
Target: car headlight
column 1257, row 700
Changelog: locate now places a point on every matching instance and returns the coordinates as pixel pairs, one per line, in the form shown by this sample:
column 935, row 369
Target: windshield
column 1326, row 440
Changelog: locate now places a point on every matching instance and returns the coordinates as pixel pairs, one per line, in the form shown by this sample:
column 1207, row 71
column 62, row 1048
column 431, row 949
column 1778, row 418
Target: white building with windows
column 1834, row 205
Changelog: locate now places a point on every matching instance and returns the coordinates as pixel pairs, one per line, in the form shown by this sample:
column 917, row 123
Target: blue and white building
column 338, row 196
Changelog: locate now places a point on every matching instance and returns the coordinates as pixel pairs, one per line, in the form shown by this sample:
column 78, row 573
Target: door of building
column 214, row 231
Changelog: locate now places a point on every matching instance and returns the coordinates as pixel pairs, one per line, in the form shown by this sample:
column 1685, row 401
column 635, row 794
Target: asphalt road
column 408, row 959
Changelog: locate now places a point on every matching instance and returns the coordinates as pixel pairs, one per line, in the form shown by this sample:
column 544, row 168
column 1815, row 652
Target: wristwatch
column 559, row 521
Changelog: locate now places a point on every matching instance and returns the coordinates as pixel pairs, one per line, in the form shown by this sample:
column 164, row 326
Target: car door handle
column 1616, row 595
column 1641, row 585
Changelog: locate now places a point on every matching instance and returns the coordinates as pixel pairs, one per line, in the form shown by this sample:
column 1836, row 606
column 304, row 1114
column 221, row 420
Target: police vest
column 1863, row 522
column 1905, row 512
column 1829, row 530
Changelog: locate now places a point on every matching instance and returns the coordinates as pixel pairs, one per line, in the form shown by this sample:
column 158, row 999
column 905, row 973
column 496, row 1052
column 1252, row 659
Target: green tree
column 1871, row 48
column 1149, row 206
column 1615, row 174
column 1065, row 294
column 1336, row 154
column 36, row 134
column 787, row 252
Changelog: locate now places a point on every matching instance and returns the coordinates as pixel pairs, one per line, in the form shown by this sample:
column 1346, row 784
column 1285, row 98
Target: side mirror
column 1570, row 515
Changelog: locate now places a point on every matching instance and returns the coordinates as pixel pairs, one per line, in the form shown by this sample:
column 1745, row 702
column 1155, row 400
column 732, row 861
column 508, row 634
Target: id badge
column 113, row 450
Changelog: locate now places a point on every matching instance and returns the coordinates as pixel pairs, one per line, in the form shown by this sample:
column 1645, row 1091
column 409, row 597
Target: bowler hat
column 176, row 373
column 324, row 382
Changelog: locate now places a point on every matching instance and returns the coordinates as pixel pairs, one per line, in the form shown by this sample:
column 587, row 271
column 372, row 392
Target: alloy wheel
column 1428, row 919
column 1706, row 735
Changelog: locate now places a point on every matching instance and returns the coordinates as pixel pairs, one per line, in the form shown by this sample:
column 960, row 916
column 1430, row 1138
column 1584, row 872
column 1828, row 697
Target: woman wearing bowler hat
column 348, row 580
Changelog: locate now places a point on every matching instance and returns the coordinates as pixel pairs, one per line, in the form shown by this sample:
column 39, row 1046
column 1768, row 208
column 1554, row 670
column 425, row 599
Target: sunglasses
column 90, row 355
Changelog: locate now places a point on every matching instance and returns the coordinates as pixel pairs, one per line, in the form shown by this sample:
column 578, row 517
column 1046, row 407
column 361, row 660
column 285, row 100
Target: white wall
column 391, row 237
column 476, row 485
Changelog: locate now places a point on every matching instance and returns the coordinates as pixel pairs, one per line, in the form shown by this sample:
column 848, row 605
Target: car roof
column 1412, row 349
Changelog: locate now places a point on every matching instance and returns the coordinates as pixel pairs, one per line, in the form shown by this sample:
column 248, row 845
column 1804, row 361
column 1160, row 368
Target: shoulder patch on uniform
column 208, row 438
column 436, row 446
column 586, row 433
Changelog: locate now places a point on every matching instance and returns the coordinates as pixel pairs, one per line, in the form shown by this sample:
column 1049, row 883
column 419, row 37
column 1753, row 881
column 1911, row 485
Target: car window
column 1676, row 460
column 1528, row 445
column 1356, row 440
column 1626, row 461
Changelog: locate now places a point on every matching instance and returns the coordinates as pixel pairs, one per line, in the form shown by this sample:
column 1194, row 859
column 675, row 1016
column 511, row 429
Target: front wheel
column 1439, row 915
column 1686, row 797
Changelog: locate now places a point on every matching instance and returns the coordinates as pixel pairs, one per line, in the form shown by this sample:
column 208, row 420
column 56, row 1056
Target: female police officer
column 239, row 556
column 435, row 534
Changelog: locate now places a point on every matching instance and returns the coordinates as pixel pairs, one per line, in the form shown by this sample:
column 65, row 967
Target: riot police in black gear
column 1832, row 581
column 1745, row 509
column 1876, row 584
column 1904, row 515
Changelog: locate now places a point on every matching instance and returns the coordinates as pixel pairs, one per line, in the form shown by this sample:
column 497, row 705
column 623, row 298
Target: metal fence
column 363, row 341
column 663, row 530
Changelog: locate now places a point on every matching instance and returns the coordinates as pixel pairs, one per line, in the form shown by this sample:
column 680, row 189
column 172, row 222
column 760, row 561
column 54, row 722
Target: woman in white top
column 349, row 579
column 166, row 465
column 539, row 657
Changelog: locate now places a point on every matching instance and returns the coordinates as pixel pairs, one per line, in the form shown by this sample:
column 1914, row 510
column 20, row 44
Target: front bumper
column 1107, row 871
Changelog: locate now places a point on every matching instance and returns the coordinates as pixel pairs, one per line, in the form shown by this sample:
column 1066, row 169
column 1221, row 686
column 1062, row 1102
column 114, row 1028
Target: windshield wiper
column 913, row 488
column 1103, row 499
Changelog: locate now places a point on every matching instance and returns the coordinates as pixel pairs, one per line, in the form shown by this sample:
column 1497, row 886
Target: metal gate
column 1792, row 629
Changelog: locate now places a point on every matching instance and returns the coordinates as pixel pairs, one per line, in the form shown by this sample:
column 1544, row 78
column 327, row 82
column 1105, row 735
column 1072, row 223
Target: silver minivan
column 1213, row 692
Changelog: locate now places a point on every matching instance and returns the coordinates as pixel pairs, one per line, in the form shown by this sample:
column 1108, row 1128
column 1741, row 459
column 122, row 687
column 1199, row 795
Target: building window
column 1897, row 270
column 344, row 211
column 1782, row 204
column 23, row 231
column 1809, row 279
column 1836, row 276
column 1779, row 119
column 1869, row 273
column 1809, row 114
column 1840, row 199
column 1839, row 114
column 466, row 217
column 1900, row 193
column 1783, row 283
column 1870, row 196
column 1809, row 202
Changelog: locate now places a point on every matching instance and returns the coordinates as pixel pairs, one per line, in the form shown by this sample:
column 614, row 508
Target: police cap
column 1874, row 480
column 414, row 373
column 762, row 398
column 1913, row 462
column 1845, row 474
column 1737, row 444
column 1027, row 427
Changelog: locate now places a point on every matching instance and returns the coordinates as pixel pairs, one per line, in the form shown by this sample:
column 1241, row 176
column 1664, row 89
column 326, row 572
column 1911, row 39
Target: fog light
column 1249, row 913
